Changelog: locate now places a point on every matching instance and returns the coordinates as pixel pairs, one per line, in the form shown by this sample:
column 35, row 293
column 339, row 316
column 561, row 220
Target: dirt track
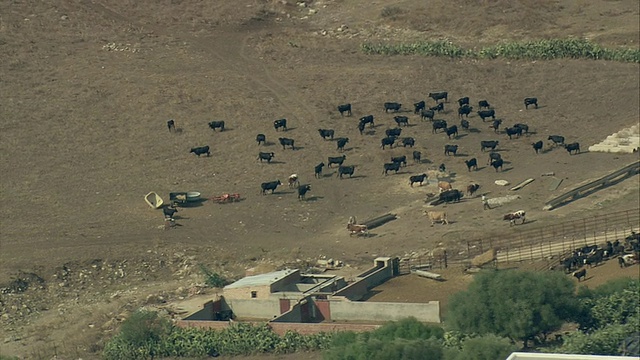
column 84, row 132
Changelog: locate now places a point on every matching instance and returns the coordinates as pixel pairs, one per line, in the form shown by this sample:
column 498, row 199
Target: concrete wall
column 262, row 292
column 381, row 311
column 281, row 284
column 254, row 308
column 207, row 312
column 355, row 291
column 292, row 316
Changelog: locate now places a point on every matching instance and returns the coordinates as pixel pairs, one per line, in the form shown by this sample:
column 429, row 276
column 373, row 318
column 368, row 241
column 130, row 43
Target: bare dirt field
column 87, row 88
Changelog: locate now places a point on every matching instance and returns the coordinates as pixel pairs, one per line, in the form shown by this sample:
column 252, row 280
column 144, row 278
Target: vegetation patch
column 529, row 50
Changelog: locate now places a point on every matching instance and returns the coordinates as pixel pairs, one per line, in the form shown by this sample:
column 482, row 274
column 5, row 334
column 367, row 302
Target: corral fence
column 542, row 243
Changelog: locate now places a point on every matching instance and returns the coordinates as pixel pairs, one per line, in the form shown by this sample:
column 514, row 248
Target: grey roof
column 261, row 279
column 543, row 356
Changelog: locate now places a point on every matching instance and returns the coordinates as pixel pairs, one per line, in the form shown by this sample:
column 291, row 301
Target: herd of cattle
column 394, row 136
column 590, row 256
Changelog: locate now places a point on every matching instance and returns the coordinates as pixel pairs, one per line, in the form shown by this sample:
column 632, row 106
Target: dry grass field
column 88, row 85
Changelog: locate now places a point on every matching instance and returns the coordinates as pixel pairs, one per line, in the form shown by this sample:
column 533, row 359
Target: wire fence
column 541, row 243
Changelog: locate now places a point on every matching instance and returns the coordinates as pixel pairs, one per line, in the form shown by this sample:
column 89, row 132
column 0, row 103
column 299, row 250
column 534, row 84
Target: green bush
column 213, row 279
column 529, row 50
column 405, row 339
column 139, row 337
column 487, row 347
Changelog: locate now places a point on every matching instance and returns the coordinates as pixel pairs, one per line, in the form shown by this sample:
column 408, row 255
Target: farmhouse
column 307, row 303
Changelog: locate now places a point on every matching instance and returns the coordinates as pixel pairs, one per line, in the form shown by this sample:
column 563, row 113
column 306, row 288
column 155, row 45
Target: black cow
column 580, row 274
column 265, row 156
column 453, row 195
column 367, row 120
column 537, row 146
column 401, row 120
column 326, row 133
column 216, row 125
column 346, row 170
column 438, row 108
column 391, row 106
column 341, row 142
column 497, row 164
column 465, row 110
column 494, row 156
column 495, row 125
column 463, row 101
column 336, row 160
column 557, row 139
column 394, row 166
column 464, row 124
column 438, row 124
column 171, row 124
column 417, row 178
column 417, row 156
column 427, row 114
column 452, row 130
column 487, row 114
column 282, row 123
column 573, row 147
column 442, row 168
column 317, row 170
column 488, row 145
column 471, row 163
column 302, row 191
column 361, row 127
column 201, row 150
column 271, row 185
column 439, row 96
column 261, row 138
column 287, row 142
column 483, row 104
column 387, row 141
column 408, row 141
column 346, row 108
column 169, row 211
column 393, row 132
column 450, row 149
column 594, row 259
column 419, row 106
column 513, row 131
column 530, row 101
column 524, row 127
column 400, row 159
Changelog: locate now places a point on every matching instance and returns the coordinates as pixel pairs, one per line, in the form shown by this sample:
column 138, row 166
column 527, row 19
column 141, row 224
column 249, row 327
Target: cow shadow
column 424, row 161
column 269, row 143
column 480, row 168
column 178, row 131
column 461, row 136
column 288, row 129
column 474, row 130
column 461, row 154
column 352, row 177
column 275, row 162
column 314, row 198
column 326, row 175
column 506, row 170
column 297, row 148
column 225, row 130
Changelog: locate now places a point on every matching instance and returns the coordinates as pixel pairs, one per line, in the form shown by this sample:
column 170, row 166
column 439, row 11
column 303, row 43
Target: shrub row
column 529, row 50
column 239, row 339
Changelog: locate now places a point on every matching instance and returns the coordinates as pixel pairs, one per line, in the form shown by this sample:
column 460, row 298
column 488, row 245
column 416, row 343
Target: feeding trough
column 182, row 198
column 154, row 200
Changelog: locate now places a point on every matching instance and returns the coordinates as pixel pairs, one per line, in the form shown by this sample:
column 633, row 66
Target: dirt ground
column 89, row 85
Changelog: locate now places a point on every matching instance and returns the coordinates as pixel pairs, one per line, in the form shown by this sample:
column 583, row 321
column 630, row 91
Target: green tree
column 486, row 347
column 515, row 304
column 407, row 339
column 611, row 303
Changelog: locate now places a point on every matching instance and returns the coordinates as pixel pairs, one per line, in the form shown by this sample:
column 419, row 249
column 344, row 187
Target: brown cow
column 472, row 188
column 444, row 186
column 437, row 216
